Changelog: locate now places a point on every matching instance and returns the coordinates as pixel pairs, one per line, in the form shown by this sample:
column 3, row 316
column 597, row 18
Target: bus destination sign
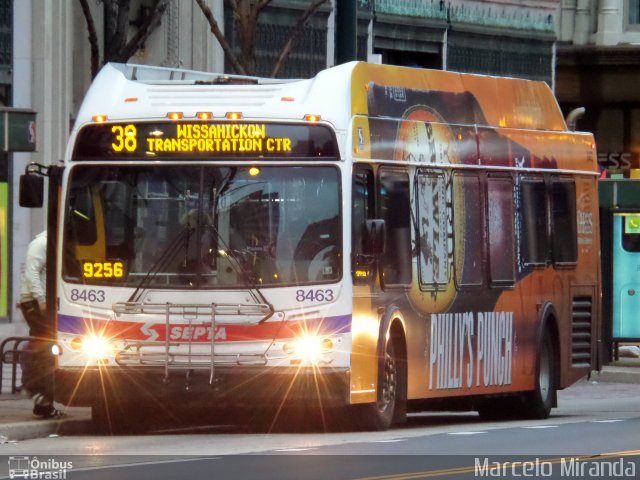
column 145, row 140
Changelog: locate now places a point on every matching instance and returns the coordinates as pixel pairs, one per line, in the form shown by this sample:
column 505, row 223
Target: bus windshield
column 202, row 226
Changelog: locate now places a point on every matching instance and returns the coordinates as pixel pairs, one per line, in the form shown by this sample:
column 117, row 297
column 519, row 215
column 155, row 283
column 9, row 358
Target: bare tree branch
column 93, row 38
column 247, row 22
column 286, row 50
column 215, row 29
column 116, row 22
column 262, row 4
column 149, row 24
column 246, row 26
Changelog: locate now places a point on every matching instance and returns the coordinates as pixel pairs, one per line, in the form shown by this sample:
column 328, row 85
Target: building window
column 633, row 9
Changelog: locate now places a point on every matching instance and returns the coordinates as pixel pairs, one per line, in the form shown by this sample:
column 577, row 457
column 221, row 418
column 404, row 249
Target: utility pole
column 346, row 31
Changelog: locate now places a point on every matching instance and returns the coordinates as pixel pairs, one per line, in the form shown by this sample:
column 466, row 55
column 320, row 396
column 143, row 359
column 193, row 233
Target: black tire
column 534, row 405
column 390, row 406
column 538, row 404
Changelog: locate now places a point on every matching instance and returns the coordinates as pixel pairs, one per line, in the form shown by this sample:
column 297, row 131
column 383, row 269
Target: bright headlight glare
column 309, row 348
column 95, row 346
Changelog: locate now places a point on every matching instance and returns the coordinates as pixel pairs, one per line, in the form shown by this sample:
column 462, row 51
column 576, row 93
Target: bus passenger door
column 365, row 323
column 363, row 260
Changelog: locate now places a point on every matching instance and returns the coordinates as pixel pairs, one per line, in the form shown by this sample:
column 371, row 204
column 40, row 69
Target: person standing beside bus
column 37, row 363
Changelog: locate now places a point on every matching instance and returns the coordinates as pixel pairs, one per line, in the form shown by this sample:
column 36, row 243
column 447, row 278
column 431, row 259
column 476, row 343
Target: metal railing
column 11, row 351
column 166, row 352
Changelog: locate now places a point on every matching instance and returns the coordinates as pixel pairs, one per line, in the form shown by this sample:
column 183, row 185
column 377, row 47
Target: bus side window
column 468, row 229
column 433, row 221
column 500, row 230
column 394, row 209
column 534, row 223
column 563, row 221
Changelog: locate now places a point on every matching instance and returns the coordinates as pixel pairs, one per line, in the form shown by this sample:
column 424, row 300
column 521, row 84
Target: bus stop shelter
column 620, row 246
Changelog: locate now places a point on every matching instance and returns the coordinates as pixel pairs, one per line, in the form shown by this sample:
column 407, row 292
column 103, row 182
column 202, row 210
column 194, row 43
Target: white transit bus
column 377, row 238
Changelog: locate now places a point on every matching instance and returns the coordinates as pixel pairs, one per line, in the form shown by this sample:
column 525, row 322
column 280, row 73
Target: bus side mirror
column 376, row 237
column 31, row 193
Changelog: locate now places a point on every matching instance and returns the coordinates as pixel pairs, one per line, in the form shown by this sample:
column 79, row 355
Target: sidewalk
column 624, row 370
column 17, row 422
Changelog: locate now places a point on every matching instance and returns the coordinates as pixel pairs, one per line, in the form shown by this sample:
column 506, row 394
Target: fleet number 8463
column 315, row 295
column 87, row 295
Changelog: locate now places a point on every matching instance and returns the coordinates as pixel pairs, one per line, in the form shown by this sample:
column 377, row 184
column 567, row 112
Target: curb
column 617, row 375
column 44, row 428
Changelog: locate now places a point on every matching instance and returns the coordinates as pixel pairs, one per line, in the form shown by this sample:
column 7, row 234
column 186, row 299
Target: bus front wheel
column 391, row 375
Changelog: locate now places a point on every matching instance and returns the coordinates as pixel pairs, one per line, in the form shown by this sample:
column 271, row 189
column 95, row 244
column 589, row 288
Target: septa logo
column 196, row 333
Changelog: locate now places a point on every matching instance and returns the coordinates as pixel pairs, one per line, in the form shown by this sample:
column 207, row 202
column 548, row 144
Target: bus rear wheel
column 539, row 402
column 534, row 405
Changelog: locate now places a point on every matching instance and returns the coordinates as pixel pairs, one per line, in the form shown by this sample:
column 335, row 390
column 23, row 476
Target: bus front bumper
column 235, row 386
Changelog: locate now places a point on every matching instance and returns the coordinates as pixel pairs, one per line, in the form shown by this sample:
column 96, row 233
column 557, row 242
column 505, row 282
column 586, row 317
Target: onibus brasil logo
column 34, row 468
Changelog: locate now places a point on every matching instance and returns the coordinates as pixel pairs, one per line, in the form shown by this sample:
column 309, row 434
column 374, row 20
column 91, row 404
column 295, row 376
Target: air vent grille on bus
column 581, row 316
column 232, row 95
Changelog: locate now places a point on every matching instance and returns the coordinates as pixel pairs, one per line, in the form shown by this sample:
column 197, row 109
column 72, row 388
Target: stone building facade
column 598, row 66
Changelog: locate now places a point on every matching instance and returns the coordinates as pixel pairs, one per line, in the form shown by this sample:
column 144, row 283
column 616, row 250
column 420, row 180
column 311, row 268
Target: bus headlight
column 309, row 349
column 93, row 346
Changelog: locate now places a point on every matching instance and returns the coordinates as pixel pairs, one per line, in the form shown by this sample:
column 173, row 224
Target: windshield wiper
column 164, row 258
column 242, row 271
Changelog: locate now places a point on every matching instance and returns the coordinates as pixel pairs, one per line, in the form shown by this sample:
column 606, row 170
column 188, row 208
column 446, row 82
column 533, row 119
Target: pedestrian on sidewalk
column 38, row 361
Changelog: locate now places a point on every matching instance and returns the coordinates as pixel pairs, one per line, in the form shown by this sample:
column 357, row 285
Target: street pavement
column 17, row 421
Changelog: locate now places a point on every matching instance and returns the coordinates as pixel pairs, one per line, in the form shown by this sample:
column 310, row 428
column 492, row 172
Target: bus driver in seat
column 198, row 252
